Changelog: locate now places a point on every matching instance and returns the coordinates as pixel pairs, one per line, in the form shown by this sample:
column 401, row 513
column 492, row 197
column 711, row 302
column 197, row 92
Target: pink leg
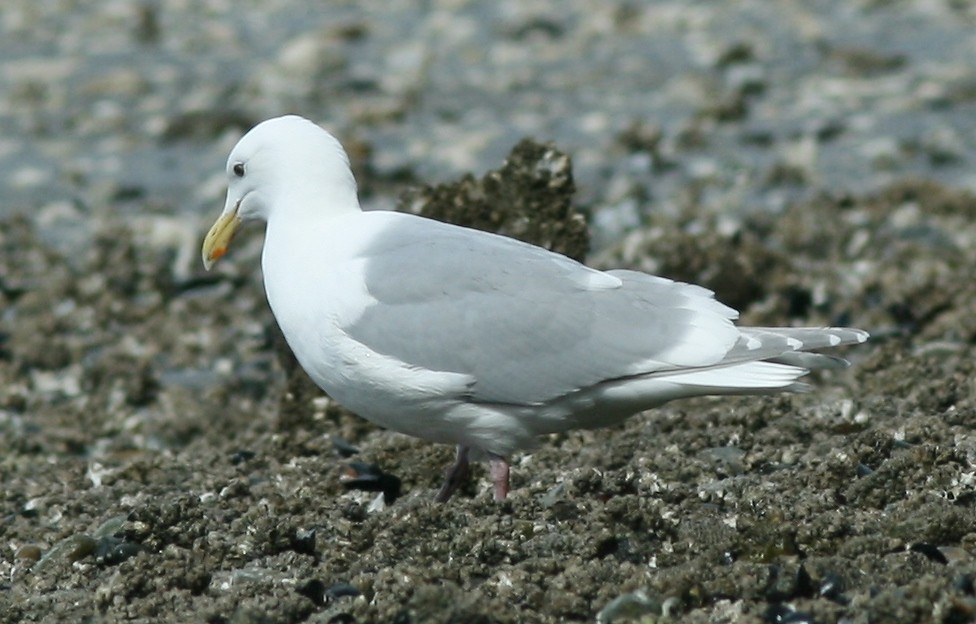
column 457, row 474
column 499, row 476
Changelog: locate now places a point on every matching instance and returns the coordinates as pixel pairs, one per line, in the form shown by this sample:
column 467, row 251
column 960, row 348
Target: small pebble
column 30, row 552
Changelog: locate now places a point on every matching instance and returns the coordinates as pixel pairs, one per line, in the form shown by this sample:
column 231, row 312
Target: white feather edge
column 746, row 375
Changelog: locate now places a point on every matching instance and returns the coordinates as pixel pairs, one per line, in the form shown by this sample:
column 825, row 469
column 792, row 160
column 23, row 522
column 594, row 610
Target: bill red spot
column 218, row 253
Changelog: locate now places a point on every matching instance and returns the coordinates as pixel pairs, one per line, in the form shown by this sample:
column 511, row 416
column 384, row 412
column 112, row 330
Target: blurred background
column 121, row 109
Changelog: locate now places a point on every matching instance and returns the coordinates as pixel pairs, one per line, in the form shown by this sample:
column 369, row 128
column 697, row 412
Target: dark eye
column 238, row 170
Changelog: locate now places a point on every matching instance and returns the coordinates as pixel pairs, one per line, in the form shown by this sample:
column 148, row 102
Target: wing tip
column 847, row 335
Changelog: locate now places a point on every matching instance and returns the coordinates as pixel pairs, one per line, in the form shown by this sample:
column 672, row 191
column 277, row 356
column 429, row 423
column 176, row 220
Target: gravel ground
column 162, row 459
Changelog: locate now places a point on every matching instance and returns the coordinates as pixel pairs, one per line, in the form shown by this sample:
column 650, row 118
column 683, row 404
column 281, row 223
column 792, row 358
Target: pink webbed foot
column 460, row 470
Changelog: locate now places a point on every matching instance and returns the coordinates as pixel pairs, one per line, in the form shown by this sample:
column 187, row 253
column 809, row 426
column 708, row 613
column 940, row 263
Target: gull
column 469, row 338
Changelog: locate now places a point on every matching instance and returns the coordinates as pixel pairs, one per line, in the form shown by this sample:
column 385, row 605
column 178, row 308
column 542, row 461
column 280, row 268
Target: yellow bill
column 218, row 238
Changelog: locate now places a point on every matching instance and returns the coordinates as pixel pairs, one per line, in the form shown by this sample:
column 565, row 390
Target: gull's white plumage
column 459, row 336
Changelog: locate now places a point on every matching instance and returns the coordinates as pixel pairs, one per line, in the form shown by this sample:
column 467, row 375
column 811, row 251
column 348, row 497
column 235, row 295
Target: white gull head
column 281, row 167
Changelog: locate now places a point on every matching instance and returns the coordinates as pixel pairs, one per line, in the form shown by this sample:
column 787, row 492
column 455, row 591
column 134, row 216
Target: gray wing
column 525, row 324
